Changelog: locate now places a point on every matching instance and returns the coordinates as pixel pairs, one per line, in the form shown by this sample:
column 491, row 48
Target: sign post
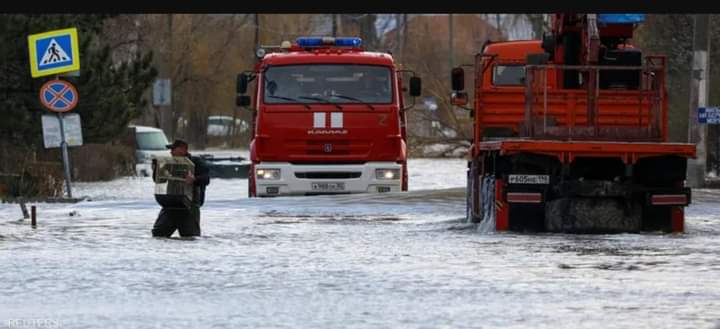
column 60, row 96
column 66, row 159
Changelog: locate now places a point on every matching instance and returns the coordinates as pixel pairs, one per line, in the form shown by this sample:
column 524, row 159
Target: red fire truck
column 328, row 118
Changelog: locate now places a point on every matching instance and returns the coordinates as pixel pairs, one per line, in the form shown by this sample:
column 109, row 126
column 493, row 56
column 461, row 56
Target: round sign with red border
column 59, row 96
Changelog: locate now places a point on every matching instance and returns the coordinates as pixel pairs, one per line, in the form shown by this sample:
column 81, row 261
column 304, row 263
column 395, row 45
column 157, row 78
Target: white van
column 220, row 125
column 149, row 142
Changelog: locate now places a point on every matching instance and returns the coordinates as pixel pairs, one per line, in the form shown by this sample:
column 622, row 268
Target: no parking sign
column 59, row 96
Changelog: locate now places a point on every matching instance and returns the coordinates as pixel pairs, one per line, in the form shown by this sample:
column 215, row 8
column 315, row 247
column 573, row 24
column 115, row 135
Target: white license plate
column 529, row 179
column 328, row 187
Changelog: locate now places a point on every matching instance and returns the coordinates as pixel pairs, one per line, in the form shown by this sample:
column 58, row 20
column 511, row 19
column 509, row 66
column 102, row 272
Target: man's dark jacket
column 202, row 179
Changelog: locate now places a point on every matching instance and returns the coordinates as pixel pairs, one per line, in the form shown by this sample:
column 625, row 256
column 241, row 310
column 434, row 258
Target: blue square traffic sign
column 709, row 115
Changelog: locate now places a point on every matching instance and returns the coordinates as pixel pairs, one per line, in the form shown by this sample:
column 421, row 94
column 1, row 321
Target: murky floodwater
column 366, row 261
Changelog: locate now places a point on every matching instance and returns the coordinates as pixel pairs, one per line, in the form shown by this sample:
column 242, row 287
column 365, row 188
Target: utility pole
column 170, row 112
column 340, row 24
column 451, row 63
column 404, row 37
column 166, row 111
column 398, row 37
column 257, row 34
column 697, row 133
column 451, row 53
column 334, row 25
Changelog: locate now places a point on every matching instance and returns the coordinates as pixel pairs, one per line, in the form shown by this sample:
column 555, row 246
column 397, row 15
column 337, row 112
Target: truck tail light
column 669, row 200
column 517, row 197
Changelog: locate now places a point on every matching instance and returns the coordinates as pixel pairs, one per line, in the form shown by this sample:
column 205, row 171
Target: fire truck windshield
column 327, row 83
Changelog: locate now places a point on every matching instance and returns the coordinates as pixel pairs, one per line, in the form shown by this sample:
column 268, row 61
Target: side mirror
column 242, row 83
column 548, row 43
column 242, row 100
column 459, row 98
column 457, row 76
column 415, row 86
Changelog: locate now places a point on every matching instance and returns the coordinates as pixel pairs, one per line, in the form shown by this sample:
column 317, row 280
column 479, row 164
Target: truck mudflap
column 592, row 215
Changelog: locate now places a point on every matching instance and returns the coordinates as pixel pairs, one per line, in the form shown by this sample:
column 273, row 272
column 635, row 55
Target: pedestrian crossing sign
column 54, row 52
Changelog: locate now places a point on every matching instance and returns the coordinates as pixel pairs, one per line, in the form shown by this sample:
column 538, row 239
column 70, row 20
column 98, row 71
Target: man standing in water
column 186, row 221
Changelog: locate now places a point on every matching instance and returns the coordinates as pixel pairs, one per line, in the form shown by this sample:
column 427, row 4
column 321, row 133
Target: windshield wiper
column 321, row 100
column 289, row 99
column 354, row 99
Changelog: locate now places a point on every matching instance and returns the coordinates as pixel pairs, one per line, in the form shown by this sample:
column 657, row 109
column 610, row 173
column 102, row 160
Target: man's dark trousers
column 185, row 220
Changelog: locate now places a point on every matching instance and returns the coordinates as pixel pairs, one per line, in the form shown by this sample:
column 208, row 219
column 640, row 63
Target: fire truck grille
column 329, row 175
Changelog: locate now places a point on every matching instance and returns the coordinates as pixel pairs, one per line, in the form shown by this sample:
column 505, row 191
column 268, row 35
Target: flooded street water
column 400, row 260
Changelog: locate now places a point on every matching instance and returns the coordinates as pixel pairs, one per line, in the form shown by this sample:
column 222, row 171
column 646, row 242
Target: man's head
column 178, row 148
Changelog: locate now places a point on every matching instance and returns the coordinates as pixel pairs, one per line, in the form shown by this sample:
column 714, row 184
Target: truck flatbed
column 568, row 150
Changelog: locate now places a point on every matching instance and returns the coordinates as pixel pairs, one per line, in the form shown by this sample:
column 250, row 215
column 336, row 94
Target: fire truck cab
column 328, row 118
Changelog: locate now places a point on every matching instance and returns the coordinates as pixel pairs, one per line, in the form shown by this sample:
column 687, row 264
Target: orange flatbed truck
column 570, row 133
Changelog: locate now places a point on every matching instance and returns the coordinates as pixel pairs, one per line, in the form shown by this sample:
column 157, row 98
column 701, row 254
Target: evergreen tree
column 111, row 93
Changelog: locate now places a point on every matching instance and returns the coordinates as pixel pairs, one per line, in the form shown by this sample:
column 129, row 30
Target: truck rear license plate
column 529, row 179
column 328, row 187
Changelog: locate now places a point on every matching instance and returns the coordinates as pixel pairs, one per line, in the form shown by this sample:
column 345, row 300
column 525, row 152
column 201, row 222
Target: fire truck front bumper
column 283, row 178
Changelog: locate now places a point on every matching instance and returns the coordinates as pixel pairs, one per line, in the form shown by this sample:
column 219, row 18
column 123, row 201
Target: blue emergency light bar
column 621, row 18
column 328, row 41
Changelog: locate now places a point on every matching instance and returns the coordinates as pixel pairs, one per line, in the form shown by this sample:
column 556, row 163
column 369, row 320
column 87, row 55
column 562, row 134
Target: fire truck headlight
column 387, row 174
column 269, row 174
